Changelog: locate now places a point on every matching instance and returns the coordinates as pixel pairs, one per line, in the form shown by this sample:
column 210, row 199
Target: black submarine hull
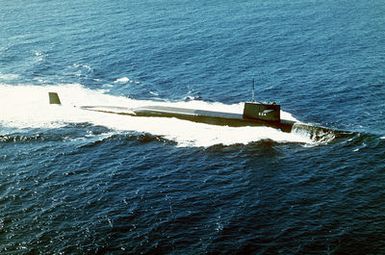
column 254, row 114
column 212, row 118
column 199, row 116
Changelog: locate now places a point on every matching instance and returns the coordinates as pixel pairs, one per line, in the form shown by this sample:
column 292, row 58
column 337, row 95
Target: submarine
column 254, row 114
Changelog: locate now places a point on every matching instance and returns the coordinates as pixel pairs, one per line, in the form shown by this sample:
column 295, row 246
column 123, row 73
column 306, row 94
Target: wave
column 71, row 132
column 125, row 80
column 26, row 106
column 20, row 138
column 39, row 55
column 8, row 76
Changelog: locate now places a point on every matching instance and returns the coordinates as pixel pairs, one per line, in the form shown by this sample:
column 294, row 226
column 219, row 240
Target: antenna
column 253, row 92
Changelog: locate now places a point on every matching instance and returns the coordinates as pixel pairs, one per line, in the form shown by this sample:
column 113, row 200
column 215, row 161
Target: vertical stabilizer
column 54, row 98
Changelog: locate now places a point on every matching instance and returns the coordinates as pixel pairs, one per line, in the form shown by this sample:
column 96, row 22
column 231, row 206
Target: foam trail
column 26, row 106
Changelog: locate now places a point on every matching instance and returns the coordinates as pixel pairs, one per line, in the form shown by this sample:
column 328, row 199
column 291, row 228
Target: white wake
column 27, row 106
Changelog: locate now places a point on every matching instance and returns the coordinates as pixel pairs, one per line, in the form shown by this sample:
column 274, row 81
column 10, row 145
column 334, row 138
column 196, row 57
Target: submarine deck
column 200, row 116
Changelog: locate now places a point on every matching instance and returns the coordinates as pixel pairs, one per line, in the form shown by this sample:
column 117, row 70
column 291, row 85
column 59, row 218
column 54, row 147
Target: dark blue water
column 74, row 182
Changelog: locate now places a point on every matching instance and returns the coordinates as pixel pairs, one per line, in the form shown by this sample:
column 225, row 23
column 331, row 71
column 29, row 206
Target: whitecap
column 154, row 93
column 39, row 55
column 8, row 76
column 125, row 80
column 122, row 80
column 83, row 67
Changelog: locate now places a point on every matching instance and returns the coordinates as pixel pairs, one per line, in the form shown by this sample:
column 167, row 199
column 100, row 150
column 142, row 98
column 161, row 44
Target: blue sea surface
column 76, row 182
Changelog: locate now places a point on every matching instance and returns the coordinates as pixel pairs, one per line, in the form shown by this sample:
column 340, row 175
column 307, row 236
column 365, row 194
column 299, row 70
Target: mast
column 253, row 92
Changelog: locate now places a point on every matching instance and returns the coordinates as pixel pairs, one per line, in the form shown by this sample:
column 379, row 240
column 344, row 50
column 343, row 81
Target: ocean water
column 80, row 182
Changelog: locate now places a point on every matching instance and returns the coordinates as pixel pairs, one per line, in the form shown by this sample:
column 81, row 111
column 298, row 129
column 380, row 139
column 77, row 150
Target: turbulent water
column 75, row 181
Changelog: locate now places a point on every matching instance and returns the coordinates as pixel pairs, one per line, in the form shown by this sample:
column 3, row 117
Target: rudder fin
column 54, row 98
